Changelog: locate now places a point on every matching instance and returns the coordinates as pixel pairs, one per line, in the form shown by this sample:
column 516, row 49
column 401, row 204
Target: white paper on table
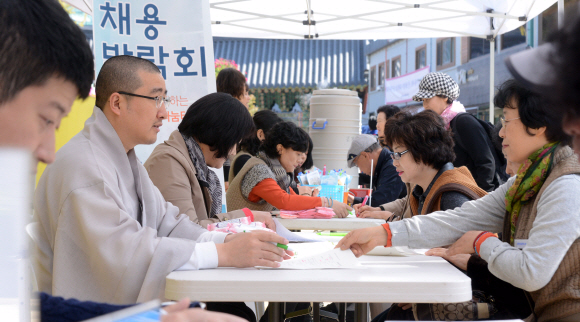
column 331, row 259
column 292, row 237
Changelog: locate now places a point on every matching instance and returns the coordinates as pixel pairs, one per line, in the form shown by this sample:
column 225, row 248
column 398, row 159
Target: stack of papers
column 316, row 213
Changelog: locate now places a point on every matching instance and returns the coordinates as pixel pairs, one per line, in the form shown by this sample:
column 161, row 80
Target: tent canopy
column 364, row 19
column 370, row 19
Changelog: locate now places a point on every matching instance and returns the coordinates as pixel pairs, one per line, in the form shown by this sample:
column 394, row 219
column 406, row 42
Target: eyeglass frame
column 398, row 155
column 504, row 121
column 166, row 100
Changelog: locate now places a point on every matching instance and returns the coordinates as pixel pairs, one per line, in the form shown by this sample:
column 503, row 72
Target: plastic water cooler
column 335, row 121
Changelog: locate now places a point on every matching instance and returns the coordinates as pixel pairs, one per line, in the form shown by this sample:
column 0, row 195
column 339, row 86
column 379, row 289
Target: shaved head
column 120, row 73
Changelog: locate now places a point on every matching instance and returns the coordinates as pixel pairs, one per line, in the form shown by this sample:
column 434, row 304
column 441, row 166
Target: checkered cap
column 437, row 84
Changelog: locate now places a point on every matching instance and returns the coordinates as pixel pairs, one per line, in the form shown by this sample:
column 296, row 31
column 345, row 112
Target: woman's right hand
column 359, row 208
column 362, row 241
column 386, row 215
column 341, row 209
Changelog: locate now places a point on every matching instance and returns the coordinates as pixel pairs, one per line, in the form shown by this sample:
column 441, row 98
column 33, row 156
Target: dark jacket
column 57, row 309
column 387, row 184
column 474, row 152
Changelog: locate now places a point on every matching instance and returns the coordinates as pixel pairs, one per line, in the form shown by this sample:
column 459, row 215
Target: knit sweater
column 238, row 192
column 553, row 232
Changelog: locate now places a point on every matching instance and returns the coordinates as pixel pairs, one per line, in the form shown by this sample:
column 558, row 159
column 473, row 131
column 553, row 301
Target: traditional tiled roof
column 285, row 63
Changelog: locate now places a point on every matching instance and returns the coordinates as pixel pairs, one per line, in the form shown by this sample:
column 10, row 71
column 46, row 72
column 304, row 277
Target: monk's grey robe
column 106, row 233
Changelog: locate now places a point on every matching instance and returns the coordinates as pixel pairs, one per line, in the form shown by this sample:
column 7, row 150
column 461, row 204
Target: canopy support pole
column 491, row 79
column 560, row 14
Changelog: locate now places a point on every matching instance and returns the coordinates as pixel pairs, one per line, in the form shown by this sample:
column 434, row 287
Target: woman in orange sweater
column 264, row 181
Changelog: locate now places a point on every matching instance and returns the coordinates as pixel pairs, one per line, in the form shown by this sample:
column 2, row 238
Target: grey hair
column 375, row 146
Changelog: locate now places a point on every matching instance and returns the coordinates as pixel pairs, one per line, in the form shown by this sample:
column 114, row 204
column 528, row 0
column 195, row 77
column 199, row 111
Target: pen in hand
column 364, row 202
column 285, row 247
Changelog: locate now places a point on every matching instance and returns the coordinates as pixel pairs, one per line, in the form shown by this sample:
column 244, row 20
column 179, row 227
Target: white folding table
column 338, row 224
column 412, row 279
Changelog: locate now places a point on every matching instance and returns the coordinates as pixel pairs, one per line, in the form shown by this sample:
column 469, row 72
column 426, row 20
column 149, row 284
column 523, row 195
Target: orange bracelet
column 481, row 239
column 389, row 235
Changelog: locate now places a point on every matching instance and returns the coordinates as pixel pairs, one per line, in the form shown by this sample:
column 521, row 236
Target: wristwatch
column 382, row 208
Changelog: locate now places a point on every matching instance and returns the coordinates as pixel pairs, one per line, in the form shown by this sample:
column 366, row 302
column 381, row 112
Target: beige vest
column 234, row 196
column 231, row 175
column 560, row 298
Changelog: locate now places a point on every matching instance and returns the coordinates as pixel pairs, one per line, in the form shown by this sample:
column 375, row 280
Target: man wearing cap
column 366, row 153
column 473, row 147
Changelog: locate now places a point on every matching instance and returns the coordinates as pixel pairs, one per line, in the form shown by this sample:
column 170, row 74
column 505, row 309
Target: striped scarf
column 204, row 174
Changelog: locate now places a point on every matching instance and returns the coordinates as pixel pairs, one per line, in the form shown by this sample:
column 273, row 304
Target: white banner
column 401, row 89
column 175, row 35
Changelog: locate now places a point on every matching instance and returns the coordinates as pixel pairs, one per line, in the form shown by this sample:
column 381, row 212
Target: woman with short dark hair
column 179, row 167
column 264, row 182
column 233, row 82
column 423, row 155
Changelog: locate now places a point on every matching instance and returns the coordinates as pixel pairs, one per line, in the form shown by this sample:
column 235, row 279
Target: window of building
column 382, row 74
column 445, row 52
column 548, row 20
column 373, row 79
column 514, row 37
column 396, row 67
column 479, row 47
column 421, row 57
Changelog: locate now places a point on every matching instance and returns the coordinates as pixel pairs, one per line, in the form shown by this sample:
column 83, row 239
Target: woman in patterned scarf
column 527, row 231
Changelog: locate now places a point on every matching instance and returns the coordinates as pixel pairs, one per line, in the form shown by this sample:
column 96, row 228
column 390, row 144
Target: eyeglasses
column 398, row 155
column 504, row 121
column 159, row 100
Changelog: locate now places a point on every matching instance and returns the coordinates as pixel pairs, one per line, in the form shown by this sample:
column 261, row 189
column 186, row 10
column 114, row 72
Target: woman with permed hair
column 264, row 182
column 423, row 155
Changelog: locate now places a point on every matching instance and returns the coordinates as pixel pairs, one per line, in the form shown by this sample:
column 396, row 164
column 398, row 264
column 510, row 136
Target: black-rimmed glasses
column 158, row 99
column 397, row 155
